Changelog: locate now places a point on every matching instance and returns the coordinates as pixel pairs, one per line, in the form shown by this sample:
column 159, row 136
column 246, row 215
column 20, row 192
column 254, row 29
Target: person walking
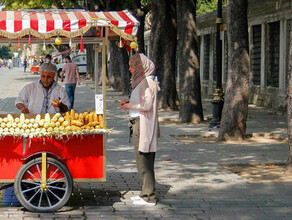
column 48, row 59
column 72, row 76
column 143, row 112
column 24, row 64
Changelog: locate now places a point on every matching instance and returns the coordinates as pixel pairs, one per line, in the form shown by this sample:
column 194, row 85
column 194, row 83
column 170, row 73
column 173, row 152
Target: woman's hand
column 124, row 104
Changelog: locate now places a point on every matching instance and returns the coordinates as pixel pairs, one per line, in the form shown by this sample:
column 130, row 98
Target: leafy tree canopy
column 5, row 52
column 37, row 4
column 205, row 6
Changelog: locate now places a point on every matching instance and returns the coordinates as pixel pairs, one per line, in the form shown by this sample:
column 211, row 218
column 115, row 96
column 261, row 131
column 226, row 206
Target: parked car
column 81, row 62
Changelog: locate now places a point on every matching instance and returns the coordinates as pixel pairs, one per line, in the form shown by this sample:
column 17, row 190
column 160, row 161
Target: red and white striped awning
column 72, row 23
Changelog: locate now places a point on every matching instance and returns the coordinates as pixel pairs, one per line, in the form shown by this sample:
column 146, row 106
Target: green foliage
column 5, row 52
column 41, row 52
column 35, row 4
column 205, row 6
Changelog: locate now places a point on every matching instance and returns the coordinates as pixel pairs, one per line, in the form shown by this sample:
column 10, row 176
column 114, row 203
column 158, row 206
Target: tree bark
column 90, row 57
column 191, row 109
column 119, row 68
column 140, row 13
column 163, row 44
column 234, row 115
column 289, row 103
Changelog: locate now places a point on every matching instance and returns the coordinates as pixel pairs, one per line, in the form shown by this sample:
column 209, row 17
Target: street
column 191, row 182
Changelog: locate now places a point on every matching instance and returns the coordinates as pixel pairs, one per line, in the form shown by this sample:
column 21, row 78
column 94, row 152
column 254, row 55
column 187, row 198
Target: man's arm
column 78, row 76
column 57, row 77
column 62, row 76
column 22, row 108
column 22, row 100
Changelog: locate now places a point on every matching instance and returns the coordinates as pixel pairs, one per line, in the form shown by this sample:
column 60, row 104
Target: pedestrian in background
column 24, row 64
column 143, row 114
column 72, row 76
column 48, row 59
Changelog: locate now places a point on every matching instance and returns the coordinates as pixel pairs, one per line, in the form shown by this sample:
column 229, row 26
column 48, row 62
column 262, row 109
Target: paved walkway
column 191, row 182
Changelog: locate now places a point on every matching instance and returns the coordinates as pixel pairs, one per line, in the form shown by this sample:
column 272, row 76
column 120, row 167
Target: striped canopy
column 68, row 23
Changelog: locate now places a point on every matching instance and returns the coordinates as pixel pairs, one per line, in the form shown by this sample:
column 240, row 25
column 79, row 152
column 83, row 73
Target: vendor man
column 44, row 95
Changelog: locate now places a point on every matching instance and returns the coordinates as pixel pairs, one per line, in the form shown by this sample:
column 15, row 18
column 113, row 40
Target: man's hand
column 79, row 82
column 56, row 103
column 24, row 110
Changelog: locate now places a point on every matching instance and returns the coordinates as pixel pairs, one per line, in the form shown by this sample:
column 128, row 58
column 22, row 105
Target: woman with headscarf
column 143, row 112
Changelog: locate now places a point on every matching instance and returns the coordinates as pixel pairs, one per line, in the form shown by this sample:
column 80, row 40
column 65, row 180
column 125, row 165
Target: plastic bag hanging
column 18, row 43
column 44, row 46
column 70, row 43
column 81, row 45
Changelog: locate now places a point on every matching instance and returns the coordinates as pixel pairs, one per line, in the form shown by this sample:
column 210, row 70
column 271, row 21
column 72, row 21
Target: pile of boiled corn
column 46, row 125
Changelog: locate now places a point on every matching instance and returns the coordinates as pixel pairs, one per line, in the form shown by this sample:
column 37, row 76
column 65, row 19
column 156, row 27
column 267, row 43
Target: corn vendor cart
column 44, row 165
column 34, row 69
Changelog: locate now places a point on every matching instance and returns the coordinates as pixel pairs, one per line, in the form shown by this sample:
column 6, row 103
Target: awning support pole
column 96, row 70
column 104, row 61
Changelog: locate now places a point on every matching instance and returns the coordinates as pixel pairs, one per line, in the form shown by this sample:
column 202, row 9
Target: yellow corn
column 95, row 117
column 22, row 118
column 10, row 118
column 100, row 118
column 72, row 114
column 38, row 118
column 90, row 118
column 47, row 118
column 94, row 123
column 75, row 128
column 76, row 123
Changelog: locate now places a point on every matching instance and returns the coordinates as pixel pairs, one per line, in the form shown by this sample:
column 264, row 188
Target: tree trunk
column 289, row 103
column 191, row 109
column 140, row 13
column 163, row 44
column 119, row 68
column 234, row 115
column 90, row 57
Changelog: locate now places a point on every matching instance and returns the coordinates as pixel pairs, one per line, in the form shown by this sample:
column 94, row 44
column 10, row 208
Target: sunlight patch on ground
column 212, row 138
column 268, row 173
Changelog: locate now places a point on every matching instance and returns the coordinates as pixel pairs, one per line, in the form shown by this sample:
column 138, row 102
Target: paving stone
column 191, row 185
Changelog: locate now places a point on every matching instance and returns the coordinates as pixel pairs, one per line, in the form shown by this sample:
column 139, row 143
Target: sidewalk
column 191, row 181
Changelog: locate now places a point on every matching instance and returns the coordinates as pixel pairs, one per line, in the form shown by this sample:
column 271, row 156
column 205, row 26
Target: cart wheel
column 38, row 198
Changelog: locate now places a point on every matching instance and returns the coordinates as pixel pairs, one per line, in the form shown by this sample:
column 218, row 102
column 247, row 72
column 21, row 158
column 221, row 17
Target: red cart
column 34, row 69
column 43, row 169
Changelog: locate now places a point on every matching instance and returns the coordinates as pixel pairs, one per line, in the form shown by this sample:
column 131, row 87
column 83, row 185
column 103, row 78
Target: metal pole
column 104, row 52
column 219, row 47
column 96, row 70
column 218, row 100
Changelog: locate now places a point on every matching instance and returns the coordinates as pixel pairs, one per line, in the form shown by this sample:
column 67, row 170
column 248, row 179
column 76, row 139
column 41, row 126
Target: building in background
column 269, row 41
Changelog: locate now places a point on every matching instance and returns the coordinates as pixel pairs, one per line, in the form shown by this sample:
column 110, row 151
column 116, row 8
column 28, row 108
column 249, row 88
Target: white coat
column 32, row 96
column 148, row 108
